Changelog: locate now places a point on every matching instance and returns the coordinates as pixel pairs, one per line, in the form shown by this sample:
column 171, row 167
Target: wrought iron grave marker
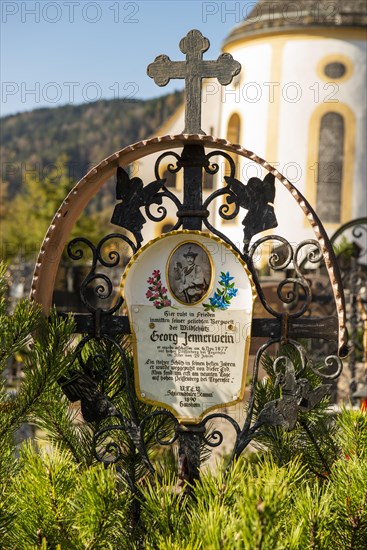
column 195, row 224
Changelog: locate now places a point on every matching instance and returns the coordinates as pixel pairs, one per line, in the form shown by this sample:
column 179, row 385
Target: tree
column 28, row 215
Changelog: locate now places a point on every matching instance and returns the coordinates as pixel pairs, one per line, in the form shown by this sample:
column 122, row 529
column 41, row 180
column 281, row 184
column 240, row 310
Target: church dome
column 276, row 16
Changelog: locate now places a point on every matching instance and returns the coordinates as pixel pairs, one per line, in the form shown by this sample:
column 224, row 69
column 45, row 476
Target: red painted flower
column 157, row 293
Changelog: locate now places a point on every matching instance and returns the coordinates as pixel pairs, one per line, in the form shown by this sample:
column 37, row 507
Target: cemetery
column 207, row 386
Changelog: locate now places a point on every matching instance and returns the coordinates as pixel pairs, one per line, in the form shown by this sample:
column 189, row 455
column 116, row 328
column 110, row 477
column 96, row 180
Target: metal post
column 193, row 159
column 190, row 438
column 353, row 293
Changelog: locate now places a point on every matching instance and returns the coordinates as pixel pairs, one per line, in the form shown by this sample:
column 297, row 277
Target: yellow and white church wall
column 276, row 107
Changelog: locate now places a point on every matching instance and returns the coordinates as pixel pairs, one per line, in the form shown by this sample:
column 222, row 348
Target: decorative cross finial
column 193, row 70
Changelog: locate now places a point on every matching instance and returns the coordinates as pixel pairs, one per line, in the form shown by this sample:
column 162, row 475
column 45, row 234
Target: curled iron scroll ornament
column 256, row 197
column 350, row 242
column 97, row 286
column 290, row 288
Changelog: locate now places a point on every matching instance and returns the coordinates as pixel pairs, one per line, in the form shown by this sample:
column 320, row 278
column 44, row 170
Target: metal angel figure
column 258, row 198
column 133, row 195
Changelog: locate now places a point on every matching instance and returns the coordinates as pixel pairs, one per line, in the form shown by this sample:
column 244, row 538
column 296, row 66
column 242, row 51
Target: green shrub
column 55, row 495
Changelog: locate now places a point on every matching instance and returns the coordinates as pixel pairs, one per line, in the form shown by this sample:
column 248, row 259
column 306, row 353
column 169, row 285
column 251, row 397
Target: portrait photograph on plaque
column 189, row 273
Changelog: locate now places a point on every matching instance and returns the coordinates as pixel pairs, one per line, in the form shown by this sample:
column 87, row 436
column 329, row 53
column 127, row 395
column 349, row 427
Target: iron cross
column 193, row 70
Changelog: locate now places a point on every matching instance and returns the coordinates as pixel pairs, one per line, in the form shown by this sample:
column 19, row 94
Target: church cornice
column 279, row 16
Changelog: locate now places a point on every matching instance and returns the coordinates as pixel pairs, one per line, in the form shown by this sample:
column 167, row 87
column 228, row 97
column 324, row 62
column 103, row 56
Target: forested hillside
column 32, row 141
column 46, row 151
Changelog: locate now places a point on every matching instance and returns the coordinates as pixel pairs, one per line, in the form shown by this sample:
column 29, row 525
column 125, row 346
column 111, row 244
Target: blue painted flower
column 218, row 301
column 231, row 292
column 225, row 278
column 224, row 294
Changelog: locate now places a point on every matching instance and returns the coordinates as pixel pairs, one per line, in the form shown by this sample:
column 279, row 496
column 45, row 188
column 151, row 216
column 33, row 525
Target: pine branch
column 46, row 361
column 316, row 445
column 63, row 427
column 16, row 329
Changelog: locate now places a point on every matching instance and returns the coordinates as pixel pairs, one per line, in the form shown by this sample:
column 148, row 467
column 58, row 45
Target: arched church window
column 208, row 179
column 166, row 228
column 330, row 167
column 233, row 135
column 234, row 128
column 170, row 178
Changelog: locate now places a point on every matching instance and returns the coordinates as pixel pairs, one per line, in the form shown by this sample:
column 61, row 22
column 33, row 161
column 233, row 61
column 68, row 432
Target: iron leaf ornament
column 257, row 197
column 134, row 195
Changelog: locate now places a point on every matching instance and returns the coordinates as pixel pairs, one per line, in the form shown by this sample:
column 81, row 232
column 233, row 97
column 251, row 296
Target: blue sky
column 58, row 52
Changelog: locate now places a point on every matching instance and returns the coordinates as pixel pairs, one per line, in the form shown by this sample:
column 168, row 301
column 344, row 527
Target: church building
column 299, row 102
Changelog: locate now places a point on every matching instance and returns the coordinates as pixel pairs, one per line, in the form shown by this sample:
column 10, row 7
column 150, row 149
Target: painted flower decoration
column 223, row 295
column 157, row 293
column 225, row 278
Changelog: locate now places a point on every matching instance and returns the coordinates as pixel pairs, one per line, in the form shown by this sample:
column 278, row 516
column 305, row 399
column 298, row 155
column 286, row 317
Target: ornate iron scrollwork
column 97, row 285
column 294, row 295
column 257, row 197
column 350, row 243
